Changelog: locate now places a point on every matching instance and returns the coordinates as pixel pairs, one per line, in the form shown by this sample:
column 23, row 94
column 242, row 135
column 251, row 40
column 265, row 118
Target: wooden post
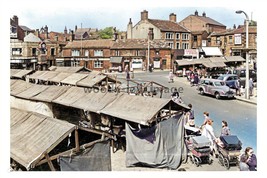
column 77, row 146
column 51, row 166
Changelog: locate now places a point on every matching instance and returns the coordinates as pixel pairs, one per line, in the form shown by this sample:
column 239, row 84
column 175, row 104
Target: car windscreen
column 219, row 83
column 220, row 78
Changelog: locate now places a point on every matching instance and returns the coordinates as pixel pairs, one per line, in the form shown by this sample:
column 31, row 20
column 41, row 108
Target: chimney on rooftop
column 16, row 20
column 204, row 14
column 172, row 17
column 196, row 13
column 234, row 27
column 65, row 30
column 72, row 35
column 144, row 15
column 37, row 32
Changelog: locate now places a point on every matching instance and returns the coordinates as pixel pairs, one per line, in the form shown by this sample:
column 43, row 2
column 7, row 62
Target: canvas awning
column 18, row 86
column 68, row 69
column 32, row 91
column 115, row 60
column 217, row 59
column 214, row 64
column 185, row 62
column 32, row 135
column 136, row 109
column 51, row 93
column 44, row 75
column 234, row 59
column 14, row 71
column 73, row 94
column 61, row 76
column 212, row 51
column 22, row 73
column 72, row 79
column 95, row 101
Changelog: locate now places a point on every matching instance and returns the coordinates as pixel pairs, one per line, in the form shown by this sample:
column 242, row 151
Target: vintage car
column 215, row 87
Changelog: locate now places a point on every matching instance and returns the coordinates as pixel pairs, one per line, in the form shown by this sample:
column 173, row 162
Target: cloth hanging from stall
column 95, row 158
column 166, row 151
column 147, row 133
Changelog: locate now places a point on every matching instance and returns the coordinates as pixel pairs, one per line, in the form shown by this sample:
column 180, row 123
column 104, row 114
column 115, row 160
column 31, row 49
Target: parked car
column 229, row 79
column 215, row 87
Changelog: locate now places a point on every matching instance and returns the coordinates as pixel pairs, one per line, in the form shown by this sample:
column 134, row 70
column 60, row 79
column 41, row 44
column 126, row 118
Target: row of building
column 149, row 41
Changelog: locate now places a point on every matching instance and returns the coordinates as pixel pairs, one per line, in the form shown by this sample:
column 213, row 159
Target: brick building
column 177, row 36
column 135, row 52
column 232, row 42
column 93, row 54
column 201, row 27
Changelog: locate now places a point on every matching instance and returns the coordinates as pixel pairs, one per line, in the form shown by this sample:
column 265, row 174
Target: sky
column 88, row 15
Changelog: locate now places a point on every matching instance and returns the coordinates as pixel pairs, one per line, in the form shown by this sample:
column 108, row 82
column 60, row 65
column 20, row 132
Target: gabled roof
column 241, row 29
column 24, row 28
column 208, row 20
column 139, row 44
column 166, row 25
column 32, row 38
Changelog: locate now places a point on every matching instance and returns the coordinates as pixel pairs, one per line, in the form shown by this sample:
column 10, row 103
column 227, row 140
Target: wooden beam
column 96, row 132
column 77, row 146
column 51, row 166
column 68, row 152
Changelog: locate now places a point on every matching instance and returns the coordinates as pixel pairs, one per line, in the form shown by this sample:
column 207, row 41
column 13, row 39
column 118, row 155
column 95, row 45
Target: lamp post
column 247, row 65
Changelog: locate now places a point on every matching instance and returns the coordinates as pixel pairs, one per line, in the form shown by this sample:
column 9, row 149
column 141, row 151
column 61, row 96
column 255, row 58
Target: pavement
column 251, row 100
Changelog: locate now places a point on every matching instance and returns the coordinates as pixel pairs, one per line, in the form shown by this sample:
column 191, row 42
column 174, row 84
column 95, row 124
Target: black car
column 241, row 73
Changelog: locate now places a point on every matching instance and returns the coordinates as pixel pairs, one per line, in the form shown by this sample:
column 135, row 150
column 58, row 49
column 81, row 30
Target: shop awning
column 212, row 51
column 115, row 60
column 234, row 59
column 33, row 135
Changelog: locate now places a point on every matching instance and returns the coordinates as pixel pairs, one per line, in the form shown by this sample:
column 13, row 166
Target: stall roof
column 51, row 93
column 217, row 59
column 61, row 76
column 201, row 61
column 72, row 79
column 44, row 75
column 95, row 102
column 19, row 86
column 32, row 91
column 32, row 135
column 234, row 59
column 14, row 71
column 185, row 62
column 73, row 94
column 212, row 51
column 69, row 69
column 22, row 73
column 136, row 109
column 37, row 74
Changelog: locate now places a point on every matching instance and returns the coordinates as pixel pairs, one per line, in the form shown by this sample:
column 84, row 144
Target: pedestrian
column 127, row 75
column 225, row 129
column 208, row 132
column 206, row 117
column 132, row 76
column 237, row 87
column 251, row 87
column 171, row 76
column 250, row 159
column 191, row 117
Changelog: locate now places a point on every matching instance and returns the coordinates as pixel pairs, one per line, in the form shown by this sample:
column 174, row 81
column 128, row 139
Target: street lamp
column 247, row 67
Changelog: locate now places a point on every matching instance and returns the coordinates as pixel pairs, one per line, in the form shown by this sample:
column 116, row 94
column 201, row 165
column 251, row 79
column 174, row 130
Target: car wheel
column 201, row 91
column 217, row 95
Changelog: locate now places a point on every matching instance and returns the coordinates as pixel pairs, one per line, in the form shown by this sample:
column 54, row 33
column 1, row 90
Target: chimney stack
column 37, row 33
column 16, row 20
column 65, row 30
column 204, row 14
column 144, row 15
column 72, row 35
column 234, row 27
column 172, row 17
column 196, row 13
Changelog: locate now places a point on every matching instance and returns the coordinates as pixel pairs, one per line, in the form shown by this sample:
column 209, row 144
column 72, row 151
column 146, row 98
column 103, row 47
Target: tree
column 106, row 33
